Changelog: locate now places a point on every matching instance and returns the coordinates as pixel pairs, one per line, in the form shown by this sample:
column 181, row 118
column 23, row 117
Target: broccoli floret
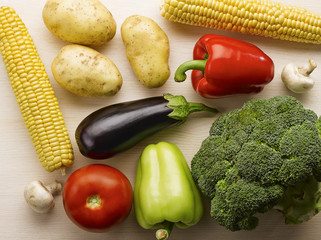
column 317, row 171
column 235, row 204
column 255, row 157
column 257, row 162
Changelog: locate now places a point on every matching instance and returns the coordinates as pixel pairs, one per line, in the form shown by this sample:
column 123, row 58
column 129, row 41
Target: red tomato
column 97, row 197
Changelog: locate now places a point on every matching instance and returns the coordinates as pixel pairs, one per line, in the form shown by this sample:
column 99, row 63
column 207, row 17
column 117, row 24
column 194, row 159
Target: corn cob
column 257, row 17
column 34, row 93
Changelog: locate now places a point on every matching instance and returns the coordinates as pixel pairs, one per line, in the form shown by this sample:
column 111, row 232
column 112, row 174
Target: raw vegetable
column 301, row 202
column 147, row 49
column 257, row 17
column 97, row 197
column 265, row 155
column 297, row 79
column 40, row 197
column 116, row 128
column 30, row 83
column 225, row 66
column 86, row 72
column 165, row 193
column 86, row 22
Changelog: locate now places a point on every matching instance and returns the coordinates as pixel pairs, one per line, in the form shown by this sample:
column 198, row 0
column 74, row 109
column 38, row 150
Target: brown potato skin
column 147, row 49
column 86, row 72
column 86, row 22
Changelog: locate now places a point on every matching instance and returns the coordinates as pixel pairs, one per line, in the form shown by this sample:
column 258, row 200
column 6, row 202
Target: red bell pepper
column 225, row 66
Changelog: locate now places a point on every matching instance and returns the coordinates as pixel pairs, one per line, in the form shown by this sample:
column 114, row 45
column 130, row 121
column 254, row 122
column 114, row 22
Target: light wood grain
column 19, row 163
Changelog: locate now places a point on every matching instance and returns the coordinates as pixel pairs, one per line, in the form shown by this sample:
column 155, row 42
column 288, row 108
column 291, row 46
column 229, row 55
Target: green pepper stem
column 180, row 74
column 182, row 108
column 163, row 233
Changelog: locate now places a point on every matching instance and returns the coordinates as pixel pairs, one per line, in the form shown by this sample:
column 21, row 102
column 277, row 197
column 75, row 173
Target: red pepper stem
column 180, row 75
column 163, row 233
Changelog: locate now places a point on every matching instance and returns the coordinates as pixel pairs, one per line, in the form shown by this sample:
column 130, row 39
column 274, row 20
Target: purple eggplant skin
column 116, row 128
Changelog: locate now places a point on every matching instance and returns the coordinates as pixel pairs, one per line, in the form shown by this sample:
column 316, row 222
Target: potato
column 147, row 49
column 86, row 22
column 86, row 72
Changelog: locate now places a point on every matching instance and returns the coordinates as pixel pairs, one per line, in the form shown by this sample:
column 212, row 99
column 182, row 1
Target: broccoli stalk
column 301, row 202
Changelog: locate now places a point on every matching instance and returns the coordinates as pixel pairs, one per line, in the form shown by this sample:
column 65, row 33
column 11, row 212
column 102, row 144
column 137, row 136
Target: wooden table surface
column 19, row 163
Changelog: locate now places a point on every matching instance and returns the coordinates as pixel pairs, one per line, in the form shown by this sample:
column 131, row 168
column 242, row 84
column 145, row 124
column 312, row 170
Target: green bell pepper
column 164, row 192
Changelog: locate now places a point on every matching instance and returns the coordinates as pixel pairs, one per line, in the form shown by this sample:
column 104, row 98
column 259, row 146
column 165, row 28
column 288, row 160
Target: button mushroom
column 297, row 78
column 40, row 197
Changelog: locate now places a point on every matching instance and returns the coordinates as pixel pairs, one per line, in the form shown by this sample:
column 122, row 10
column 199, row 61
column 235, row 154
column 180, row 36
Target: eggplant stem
column 197, row 107
column 182, row 108
column 163, row 233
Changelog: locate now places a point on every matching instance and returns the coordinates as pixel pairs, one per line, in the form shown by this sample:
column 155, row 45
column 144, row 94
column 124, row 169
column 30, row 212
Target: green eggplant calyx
column 163, row 233
column 182, row 108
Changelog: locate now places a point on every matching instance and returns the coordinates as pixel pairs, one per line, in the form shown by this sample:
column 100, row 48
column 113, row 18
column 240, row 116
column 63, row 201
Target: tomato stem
column 93, row 201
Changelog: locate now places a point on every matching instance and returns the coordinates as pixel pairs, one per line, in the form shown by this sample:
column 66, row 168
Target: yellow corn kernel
column 259, row 17
column 34, row 93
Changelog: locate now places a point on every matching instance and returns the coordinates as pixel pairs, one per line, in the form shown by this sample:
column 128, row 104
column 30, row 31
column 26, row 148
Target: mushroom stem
column 308, row 68
column 54, row 188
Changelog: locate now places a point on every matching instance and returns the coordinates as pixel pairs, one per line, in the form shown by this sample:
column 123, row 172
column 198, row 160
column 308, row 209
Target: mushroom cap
column 38, row 197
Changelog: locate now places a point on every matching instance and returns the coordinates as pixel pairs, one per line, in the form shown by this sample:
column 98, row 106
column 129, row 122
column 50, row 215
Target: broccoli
column 266, row 155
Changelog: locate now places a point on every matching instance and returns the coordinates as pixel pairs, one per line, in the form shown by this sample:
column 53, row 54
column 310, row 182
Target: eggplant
column 118, row 127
